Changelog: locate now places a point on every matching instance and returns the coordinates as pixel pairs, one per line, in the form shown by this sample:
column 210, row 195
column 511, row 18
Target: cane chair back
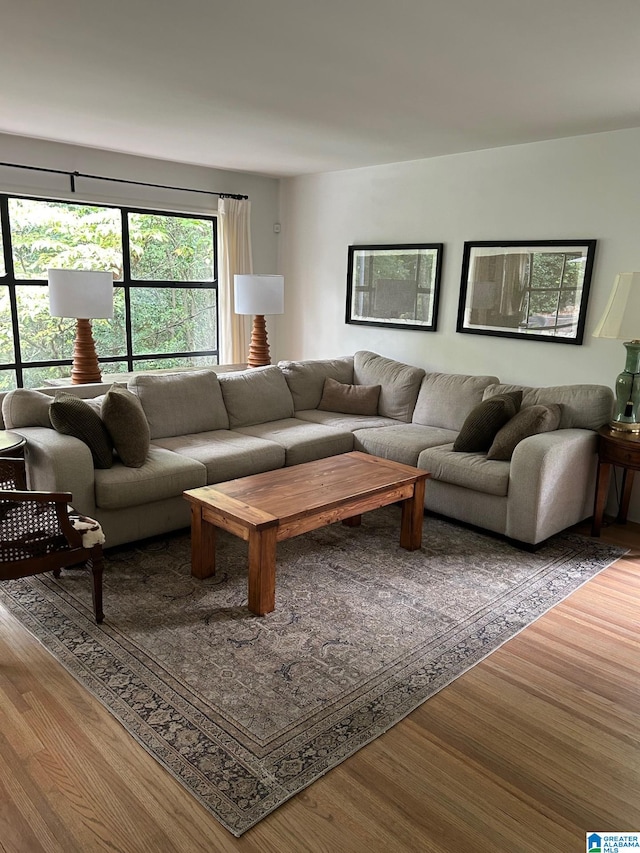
column 37, row 536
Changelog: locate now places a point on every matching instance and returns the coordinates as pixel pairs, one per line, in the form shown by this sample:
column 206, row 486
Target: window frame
column 127, row 283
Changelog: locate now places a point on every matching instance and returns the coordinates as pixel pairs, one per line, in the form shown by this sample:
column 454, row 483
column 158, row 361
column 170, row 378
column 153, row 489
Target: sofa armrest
column 551, row 483
column 60, row 463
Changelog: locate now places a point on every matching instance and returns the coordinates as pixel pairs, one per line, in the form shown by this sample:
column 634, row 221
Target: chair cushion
column 72, row 416
column 349, row 399
column 483, row 422
column 529, row 421
column 126, row 423
column 181, row 403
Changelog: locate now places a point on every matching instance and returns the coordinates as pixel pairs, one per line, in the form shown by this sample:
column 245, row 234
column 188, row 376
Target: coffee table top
column 288, row 493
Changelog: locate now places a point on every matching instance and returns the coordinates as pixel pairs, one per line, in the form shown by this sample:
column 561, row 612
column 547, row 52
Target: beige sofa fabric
column 583, row 406
column 163, row 475
column 338, row 420
column 181, row 403
column 306, row 378
column 471, row 470
column 302, row 441
column 402, row 443
column 256, row 396
column 227, row 455
column 445, row 399
column 24, row 407
column 400, row 383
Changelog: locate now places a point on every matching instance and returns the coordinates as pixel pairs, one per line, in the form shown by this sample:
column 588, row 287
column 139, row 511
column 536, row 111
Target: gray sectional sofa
column 207, row 427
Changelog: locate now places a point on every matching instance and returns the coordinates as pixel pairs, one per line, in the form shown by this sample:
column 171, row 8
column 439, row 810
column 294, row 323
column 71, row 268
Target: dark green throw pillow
column 127, row 424
column 72, row 416
column 483, row 422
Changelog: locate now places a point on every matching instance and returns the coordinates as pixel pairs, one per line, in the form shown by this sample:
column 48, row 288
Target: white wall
column 262, row 191
column 583, row 187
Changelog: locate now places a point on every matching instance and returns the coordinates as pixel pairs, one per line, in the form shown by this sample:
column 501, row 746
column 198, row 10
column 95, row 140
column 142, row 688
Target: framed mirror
column 396, row 286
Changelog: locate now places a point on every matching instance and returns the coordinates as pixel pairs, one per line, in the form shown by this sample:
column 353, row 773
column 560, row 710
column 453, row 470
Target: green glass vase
column 627, row 391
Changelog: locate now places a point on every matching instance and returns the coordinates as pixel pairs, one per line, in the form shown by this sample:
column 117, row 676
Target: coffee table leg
column 262, row 570
column 412, row 518
column 352, row 521
column 203, row 545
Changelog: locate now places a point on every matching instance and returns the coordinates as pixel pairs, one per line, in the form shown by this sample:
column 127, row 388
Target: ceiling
column 287, row 87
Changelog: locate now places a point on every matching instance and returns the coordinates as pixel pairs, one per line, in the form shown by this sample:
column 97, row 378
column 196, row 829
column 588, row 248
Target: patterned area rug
column 245, row 710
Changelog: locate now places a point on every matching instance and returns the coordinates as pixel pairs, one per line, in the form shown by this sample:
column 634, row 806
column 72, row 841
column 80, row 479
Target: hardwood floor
column 525, row 752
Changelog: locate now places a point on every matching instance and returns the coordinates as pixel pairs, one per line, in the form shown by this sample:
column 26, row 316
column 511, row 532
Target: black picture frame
column 394, row 286
column 526, row 289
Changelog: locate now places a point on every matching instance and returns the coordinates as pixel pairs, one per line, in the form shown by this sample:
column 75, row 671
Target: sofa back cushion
column 256, row 396
column 181, row 403
column 445, row 399
column 306, row 378
column 583, row 406
column 399, row 383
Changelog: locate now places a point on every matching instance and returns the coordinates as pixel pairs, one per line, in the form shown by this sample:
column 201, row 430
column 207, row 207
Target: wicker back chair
column 37, row 535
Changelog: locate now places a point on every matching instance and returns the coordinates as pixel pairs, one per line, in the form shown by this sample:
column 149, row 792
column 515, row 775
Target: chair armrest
column 551, row 483
column 57, row 501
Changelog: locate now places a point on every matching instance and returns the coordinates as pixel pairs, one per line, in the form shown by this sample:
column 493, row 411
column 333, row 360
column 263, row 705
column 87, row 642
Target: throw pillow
column 528, row 421
column 72, row 416
column 483, row 422
column 349, row 399
column 127, row 424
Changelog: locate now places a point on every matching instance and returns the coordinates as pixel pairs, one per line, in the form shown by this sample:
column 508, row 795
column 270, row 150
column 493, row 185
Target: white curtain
column 234, row 258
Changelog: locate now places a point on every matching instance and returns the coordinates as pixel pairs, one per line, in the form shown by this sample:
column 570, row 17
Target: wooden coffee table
column 266, row 508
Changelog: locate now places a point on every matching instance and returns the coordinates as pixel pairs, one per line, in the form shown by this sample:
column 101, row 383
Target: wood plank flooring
column 526, row 752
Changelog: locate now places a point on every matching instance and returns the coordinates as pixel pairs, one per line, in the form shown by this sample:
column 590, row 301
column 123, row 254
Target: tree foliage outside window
column 165, row 288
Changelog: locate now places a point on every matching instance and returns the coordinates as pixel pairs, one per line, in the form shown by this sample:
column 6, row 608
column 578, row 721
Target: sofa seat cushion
column 256, row 396
column 445, row 399
column 181, row 403
column 227, row 455
column 470, row 470
column 338, row 420
column 163, row 475
column 302, row 441
column 400, row 383
column 402, row 443
column 306, row 378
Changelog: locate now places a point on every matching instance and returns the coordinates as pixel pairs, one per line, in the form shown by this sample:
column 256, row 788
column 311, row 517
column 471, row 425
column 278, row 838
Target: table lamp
column 621, row 320
column 259, row 295
column 85, row 295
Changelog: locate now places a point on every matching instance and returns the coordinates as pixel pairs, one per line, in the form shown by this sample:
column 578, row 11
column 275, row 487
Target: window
column 165, row 287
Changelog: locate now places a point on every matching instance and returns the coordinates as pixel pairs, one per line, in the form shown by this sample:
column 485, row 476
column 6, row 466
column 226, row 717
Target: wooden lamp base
column 259, row 347
column 85, row 360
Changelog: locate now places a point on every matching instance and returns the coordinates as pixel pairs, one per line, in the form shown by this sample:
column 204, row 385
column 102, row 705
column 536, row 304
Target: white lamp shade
column 85, row 294
column 258, row 294
column 621, row 318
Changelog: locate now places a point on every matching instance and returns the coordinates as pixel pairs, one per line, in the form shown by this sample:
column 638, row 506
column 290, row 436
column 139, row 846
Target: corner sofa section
column 207, row 427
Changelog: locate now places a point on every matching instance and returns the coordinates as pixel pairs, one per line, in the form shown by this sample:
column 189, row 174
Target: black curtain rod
column 73, row 175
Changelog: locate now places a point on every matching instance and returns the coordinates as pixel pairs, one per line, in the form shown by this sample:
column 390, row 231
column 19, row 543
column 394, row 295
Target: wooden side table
column 11, row 443
column 623, row 450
